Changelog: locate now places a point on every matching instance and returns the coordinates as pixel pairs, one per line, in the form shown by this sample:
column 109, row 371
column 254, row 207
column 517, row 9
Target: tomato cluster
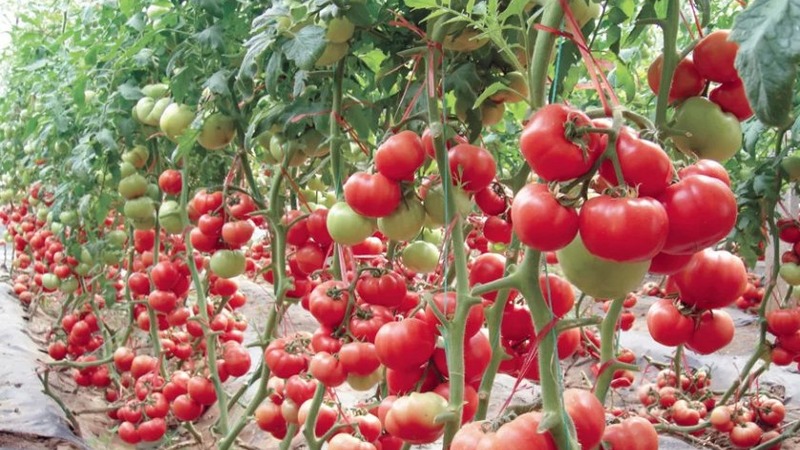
column 712, row 124
column 750, row 421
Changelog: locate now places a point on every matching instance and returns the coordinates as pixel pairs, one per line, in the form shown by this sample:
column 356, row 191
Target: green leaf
column 128, row 7
column 705, row 11
column 129, row 91
column 421, row 4
column 494, row 88
column 218, row 83
column 769, row 51
column 212, row 37
column 306, row 46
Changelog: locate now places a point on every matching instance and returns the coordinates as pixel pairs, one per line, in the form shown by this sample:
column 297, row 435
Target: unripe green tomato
column 170, row 217
column 82, row 269
column 132, row 186
column 156, row 90
column 139, row 209
column 317, row 184
column 126, row 169
column 363, row 383
column 710, row 132
column 154, row 192
column 137, row 156
column 332, row 54
column 339, row 30
column 175, row 120
column 227, row 263
column 435, row 203
column 142, row 109
column 434, row 236
column 791, row 165
column 311, row 143
column 218, row 131
column 68, row 285
column 56, row 227
column 117, row 238
column 111, row 257
column 86, row 256
column 346, row 226
column 50, row 281
column 69, row 218
column 144, row 224
column 421, row 257
column 154, row 118
column 405, row 222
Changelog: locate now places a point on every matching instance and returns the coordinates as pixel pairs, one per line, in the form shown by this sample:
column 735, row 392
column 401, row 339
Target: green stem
column 670, row 60
column 454, row 329
column 337, row 163
column 542, row 52
column 210, row 338
column 676, row 362
column 312, row 440
column 555, row 419
column 608, row 332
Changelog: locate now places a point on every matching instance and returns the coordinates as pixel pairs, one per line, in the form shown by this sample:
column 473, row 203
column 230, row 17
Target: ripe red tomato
column 540, row 221
column 411, row 418
column 495, row 229
column 359, row 358
column 237, row 358
column 493, row 200
column 472, row 167
column 783, row 322
column 551, row 153
column 707, row 167
column 170, row 181
column 644, row 165
column 328, row 302
column 152, row 430
column 201, row 390
column 712, row 279
column 400, row 156
column 666, row 264
column 447, row 302
column 714, row 331
column 128, row 433
column 327, row 369
column 477, row 355
column 286, row 357
column 237, row 233
column 746, row 435
column 667, row 325
column 485, row 268
column 318, row 228
column 623, row 229
column 732, row 98
column 701, row 211
column 385, row 289
column 309, row 258
column 714, row 56
column 366, row 320
column 635, row 433
column 405, row 345
column 588, row 414
column 686, row 81
column 558, row 294
column 523, row 432
column 372, row 195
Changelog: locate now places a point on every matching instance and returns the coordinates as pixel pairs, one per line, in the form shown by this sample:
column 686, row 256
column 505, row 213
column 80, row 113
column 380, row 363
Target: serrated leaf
column 306, row 46
column 218, row 83
column 212, row 37
column 648, row 11
column 129, row 91
column 769, row 51
column 421, row 3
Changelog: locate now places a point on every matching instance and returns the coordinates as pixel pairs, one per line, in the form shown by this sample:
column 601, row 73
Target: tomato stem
column 559, row 423
column 607, row 334
column 670, row 61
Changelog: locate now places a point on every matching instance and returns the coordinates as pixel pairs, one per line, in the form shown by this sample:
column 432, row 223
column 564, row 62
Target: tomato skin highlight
column 686, row 81
column 667, row 325
column 371, row 195
column 400, row 156
column 645, row 165
column 712, row 279
column 411, row 418
column 714, row 331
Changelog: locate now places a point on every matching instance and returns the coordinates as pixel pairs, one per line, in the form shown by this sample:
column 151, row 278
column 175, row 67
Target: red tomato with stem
column 686, row 80
column 551, row 146
column 714, row 56
column 400, row 156
column 540, row 221
column 623, row 229
column 588, row 414
column 405, row 345
column 328, row 302
column 645, row 165
column 472, row 167
column 714, row 331
column 446, row 303
column 711, row 279
column 667, row 325
column 701, row 211
column 411, row 418
column 372, row 195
